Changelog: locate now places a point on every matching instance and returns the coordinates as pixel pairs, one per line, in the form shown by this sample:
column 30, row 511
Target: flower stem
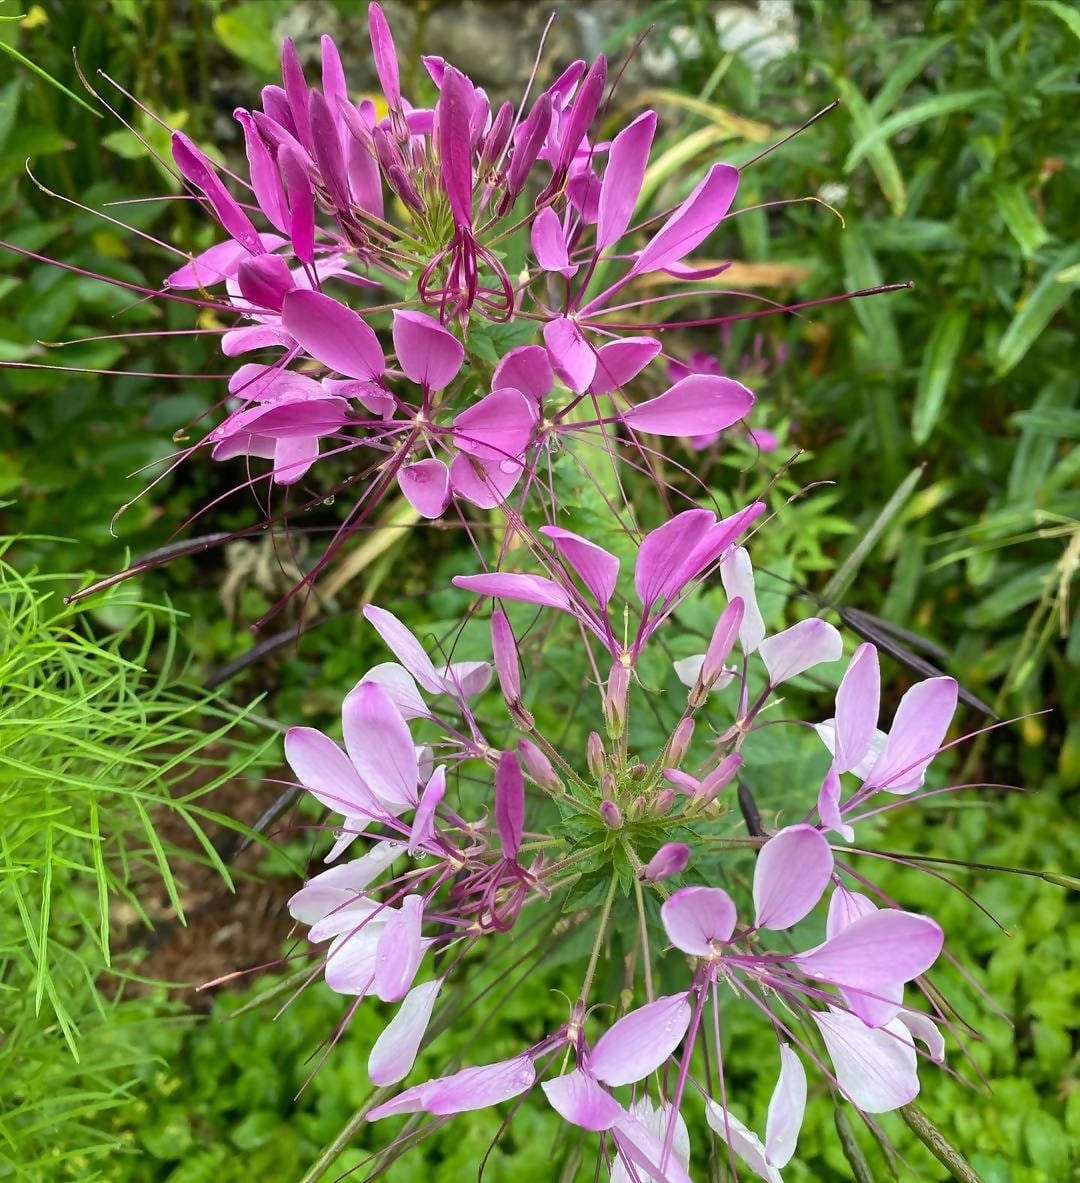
column 601, row 932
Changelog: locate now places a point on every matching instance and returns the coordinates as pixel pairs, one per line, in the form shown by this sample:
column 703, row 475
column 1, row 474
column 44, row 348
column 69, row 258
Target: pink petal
column 875, row 951
column 429, row 355
column 218, row 262
column 350, row 962
column 746, row 1144
column 643, row 1149
column 572, row 357
column 400, row 950
column 845, row 907
column 453, row 143
column 528, row 589
column 786, row 1109
column 379, row 744
column 327, row 773
column 921, row 720
column 394, row 1052
column 694, row 917
column 799, row 648
column 509, row 804
column 692, row 222
column 423, row 823
column 405, row 647
column 876, row 1068
column 926, row 1031
column 249, row 337
column 471, row 1088
column 528, row 369
column 426, row 486
column 265, row 178
column 301, row 200
column 549, row 243
column 466, row 679
column 293, row 457
column 828, row 806
column 722, row 641
column 737, row 576
column 328, row 891
column 698, row 404
column 792, row 871
column 641, row 1041
column 484, row 483
column 597, row 568
column 619, row 362
column 333, row 334
column 399, row 685
column 857, row 704
column 498, row 427
column 579, row 1099
column 627, row 158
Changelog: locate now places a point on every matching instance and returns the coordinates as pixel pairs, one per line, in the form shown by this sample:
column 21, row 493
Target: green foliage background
column 959, row 152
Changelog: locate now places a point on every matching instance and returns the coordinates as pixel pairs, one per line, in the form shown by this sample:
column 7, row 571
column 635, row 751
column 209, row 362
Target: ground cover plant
column 615, row 765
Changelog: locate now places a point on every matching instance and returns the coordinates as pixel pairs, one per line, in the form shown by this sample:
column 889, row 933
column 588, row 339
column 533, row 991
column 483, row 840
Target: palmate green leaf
column 936, row 371
column 921, row 112
column 1035, row 312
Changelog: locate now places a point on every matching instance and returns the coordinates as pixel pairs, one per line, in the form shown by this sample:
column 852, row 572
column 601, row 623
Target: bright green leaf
column 936, row 372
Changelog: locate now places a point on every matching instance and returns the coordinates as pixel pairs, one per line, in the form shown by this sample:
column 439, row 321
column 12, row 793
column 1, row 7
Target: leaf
column 1061, row 424
column 1017, row 213
column 932, row 108
column 861, row 271
column 936, row 372
column 1064, row 12
column 247, row 31
column 849, row 568
column 1035, row 312
column 880, row 154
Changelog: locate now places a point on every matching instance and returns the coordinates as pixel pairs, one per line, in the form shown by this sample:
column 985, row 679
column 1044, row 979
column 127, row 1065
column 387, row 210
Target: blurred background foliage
column 952, row 162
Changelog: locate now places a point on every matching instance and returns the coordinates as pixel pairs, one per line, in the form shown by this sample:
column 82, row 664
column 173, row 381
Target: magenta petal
column 301, row 201
column 379, row 744
column 528, row 369
column 218, row 262
column 786, row 1109
column 528, row 589
column 572, row 357
column 509, row 803
column 196, row 168
column 921, row 720
column 293, row 457
column 484, row 483
column 385, row 55
column 429, row 355
column 792, row 871
column 597, row 568
column 400, row 686
column 875, row 951
column 394, row 1052
column 579, row 1099
column 498, row 427
column 627, row 158
column 471, row 1088
column 333, row 334
column 327, row 773
column 696, row 405
column 663, row 552
column 876, row 1068
column 400, row 950
column 694, row 917
column 426, row 486
column 641, row 1041
column 549, row 243
column 692, row 222
column 453, row 141
column 618, row 362
column 799, row 648
column 405, row 647
column 857, row 704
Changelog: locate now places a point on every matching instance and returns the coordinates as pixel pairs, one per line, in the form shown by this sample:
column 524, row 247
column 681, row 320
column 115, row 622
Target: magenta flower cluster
column 365, row 269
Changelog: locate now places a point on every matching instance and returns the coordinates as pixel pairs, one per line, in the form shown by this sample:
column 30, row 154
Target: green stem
column 935, row 1141
column 601, row 932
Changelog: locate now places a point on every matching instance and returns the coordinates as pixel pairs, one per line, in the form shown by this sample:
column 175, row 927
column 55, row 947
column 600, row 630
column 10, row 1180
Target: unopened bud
column 496, row 139
column 638, row 770
column 615, row 697
column 607, row 784
column 669, row 860
column 690, row 785
column 662, row 802
column 594, row 754
column 538, row 766
column 611, row 815
column 680, row 740
column 720, row 777
column 527, row 144
column 637, row 807
column 504, row 649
